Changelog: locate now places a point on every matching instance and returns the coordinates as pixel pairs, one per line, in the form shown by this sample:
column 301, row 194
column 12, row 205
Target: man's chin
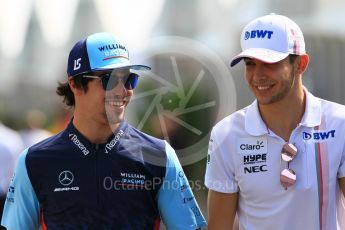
column 113, row 120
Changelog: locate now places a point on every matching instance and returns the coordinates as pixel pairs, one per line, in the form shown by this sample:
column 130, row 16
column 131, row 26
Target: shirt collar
column 255, row 126
column 71, row 132
column 312, row 114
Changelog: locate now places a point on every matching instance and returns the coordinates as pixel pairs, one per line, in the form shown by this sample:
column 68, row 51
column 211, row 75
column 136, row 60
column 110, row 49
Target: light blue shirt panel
column 21, row 209
column 176, row 202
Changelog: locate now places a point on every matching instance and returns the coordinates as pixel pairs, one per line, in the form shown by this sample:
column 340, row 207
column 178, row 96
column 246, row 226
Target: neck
column 284, row 116
column 95, row 132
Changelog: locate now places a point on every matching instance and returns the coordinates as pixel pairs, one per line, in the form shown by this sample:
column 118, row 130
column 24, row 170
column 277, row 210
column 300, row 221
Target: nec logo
column 258, row 34
column 318, row 136
column 255, row 169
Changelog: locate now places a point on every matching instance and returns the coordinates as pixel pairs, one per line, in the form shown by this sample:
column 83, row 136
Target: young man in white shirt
column 278, row 163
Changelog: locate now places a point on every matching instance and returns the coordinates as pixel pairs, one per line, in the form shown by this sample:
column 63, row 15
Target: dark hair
column 292, row 58
column 65, row 91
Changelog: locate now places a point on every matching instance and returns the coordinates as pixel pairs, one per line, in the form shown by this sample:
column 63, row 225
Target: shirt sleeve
column 220, row 167
column 21, row 209
column 176, row 202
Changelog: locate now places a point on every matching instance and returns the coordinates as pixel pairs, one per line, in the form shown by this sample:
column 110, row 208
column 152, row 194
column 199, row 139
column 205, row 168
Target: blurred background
column 188, row 43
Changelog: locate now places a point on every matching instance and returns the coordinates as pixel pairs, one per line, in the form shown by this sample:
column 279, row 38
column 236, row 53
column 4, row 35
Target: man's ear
column 74, row 88
column 302, row 63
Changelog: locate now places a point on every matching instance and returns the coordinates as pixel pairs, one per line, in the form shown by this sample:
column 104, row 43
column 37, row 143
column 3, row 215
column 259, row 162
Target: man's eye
column 105, row 75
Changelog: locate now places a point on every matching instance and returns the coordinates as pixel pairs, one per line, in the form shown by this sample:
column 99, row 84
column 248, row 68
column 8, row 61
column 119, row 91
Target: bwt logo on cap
column 258, row 34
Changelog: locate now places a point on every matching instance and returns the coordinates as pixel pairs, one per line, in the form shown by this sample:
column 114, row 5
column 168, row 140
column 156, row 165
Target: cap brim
column 123, row 65
column 265, row 55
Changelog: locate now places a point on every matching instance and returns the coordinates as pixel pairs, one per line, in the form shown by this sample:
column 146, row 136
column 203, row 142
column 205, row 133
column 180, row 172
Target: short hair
column 292, row 58
column 63, row 89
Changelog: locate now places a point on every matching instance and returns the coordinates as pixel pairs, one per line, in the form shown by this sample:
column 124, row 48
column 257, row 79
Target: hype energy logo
column 318, row 136
column 258, row 34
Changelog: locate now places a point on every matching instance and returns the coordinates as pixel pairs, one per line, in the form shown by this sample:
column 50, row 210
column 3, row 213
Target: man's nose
column 119, row 87
column 260, row 71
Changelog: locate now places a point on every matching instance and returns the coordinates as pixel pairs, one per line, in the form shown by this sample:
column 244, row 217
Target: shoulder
column 47, row 145
column 332, row 110
column 145, row 140
column 143, row 147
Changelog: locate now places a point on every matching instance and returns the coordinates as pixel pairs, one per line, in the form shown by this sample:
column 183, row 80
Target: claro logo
column 257, row 146
column 318, row 136
column 251, row 145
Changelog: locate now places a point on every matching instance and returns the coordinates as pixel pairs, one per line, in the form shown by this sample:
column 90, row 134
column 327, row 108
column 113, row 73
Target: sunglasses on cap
column 109, row 81
column 288, row 176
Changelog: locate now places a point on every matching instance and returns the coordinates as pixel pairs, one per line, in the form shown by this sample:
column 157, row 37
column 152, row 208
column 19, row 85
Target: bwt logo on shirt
column 318, row 136
column 258, row 34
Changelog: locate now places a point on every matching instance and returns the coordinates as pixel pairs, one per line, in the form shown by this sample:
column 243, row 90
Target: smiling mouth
column 263, row 87
column 117, row 102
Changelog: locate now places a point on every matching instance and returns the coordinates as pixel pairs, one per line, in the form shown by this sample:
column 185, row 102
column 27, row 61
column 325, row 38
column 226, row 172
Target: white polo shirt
column 6, row 169
column 12, row 140
column 245, row 157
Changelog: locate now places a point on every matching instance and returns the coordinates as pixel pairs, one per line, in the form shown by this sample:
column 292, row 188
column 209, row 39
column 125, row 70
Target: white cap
column 270, row 39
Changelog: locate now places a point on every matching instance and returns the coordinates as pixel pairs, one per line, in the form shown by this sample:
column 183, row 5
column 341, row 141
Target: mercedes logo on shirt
column 66, row 178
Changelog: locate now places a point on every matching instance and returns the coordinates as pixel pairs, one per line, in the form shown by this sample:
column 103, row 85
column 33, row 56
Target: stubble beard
column 287, row 86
